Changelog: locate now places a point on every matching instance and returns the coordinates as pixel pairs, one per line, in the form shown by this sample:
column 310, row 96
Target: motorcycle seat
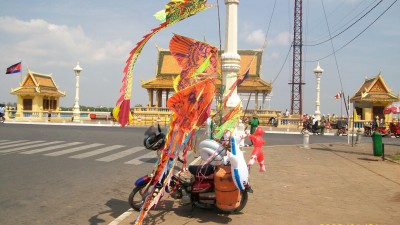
column 205, row 170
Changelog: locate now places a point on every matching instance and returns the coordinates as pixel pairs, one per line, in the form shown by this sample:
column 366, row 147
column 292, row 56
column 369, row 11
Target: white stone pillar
column 230, row 58
column 77, row 112
column 318, row 73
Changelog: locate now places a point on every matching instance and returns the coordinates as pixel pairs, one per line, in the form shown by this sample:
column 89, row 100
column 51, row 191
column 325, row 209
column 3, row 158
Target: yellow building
column 168, row 68
column 36, row 94
column 372, row 97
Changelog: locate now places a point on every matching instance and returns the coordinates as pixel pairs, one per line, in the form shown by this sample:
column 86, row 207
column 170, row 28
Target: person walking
column 253, row 122
column 2, row 112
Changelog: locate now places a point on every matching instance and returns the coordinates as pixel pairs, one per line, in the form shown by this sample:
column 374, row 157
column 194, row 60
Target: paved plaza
column 331, row 183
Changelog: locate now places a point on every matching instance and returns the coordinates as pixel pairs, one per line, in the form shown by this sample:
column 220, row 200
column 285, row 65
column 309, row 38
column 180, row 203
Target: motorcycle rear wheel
column 243, row 202
column 137, row 197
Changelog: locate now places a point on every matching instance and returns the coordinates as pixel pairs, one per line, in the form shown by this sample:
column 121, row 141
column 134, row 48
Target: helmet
column 154, row 142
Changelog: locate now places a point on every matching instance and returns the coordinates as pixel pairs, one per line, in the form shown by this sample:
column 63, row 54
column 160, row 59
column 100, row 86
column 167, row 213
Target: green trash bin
column 377, row 143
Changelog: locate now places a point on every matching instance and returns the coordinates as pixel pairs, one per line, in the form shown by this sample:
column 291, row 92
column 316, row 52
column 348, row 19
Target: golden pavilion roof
column 168, row 69
column 38, row 84
column 374, row 90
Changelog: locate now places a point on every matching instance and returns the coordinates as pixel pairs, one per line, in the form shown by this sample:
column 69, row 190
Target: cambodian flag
column 16, row 68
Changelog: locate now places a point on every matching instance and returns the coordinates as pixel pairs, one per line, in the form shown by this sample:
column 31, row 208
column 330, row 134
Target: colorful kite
column 175, row 11
column 191, row 107
column 194, row 57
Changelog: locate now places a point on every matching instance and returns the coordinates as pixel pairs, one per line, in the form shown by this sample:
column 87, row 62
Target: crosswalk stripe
column 96, row 152
column 120, row 154
column 1, row 141
column 138, row 160
column 30, row 146
column 15, row 143
column 51, row 148
column 71, row 150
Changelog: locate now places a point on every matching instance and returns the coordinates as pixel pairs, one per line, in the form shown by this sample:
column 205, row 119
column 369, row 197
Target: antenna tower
column 297, row 82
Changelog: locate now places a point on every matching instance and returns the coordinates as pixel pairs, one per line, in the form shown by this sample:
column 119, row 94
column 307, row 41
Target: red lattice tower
column 297, row 82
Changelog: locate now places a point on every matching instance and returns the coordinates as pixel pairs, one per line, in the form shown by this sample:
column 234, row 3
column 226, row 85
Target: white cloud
column 281, row 39
column 39, row 38
column 273, row 55
column 257, row 37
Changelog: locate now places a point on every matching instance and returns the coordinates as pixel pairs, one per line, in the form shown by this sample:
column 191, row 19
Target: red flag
column 16, row 68
column 338, row 95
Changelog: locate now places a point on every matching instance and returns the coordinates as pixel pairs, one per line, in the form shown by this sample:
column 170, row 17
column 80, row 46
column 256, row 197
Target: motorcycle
column 311, row 129
column 200, row 191
column 195, row 185
column 341, row 131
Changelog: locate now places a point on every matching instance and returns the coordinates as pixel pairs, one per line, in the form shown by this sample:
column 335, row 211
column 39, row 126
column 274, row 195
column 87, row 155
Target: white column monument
column 77, row 112
column 230, row 58
column 318, row 73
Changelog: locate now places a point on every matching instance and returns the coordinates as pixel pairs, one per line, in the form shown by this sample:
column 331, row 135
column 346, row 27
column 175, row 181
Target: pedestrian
column 287, row 116
column 322, row 125
column 253, row 122
column 2, row 112
column 49, row 115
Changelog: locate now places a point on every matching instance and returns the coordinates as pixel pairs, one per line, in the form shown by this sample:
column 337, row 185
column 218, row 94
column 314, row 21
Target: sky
column 51, row 36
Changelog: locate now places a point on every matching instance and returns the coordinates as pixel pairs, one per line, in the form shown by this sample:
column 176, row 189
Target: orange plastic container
column 226, row 193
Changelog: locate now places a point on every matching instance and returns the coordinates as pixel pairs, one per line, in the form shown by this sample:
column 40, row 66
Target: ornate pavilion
column 167, row 69
column 372, row 97
column 37, row 93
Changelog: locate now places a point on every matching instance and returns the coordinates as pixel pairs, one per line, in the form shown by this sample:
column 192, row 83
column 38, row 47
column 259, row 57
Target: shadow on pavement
column 326, row 148
column 167, row 208
column 117, row 207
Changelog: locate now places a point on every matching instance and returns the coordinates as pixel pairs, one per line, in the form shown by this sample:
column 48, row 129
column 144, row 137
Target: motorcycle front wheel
column 137, row 197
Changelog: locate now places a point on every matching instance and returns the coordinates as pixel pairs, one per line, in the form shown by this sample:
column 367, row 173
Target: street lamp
column 318, row 73
column 77, row 112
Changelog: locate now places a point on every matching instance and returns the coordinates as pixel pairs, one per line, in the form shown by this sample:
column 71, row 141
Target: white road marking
column 138, row 161
column 120, row 154
column 1, row 141
column 71, row 150
column 18, row 143
column 97, row 152
column 122, row 217
column 51, row 148
column 30, row 146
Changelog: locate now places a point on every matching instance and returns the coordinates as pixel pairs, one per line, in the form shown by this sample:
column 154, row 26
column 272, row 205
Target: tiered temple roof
column 168, row 69
column 38, row 84
column 374, row 90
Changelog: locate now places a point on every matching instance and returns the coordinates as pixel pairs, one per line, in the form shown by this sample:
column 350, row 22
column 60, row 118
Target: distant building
column 372, row 97
column 167, row 69
column 36, row 94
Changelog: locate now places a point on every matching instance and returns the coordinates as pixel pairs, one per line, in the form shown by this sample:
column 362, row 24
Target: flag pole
column 20, row 73
column 348, row 120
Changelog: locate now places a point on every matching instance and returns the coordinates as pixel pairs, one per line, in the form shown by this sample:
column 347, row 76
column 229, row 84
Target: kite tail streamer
column 175, row 11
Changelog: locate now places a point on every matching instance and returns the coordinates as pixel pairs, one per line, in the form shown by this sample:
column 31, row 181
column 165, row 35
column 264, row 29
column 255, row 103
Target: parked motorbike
column 394, row 129
column 195, row 185
column 369, row 130
column 198, row 189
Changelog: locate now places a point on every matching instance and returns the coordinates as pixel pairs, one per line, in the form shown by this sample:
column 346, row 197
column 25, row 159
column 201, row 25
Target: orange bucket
column 226, row 193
